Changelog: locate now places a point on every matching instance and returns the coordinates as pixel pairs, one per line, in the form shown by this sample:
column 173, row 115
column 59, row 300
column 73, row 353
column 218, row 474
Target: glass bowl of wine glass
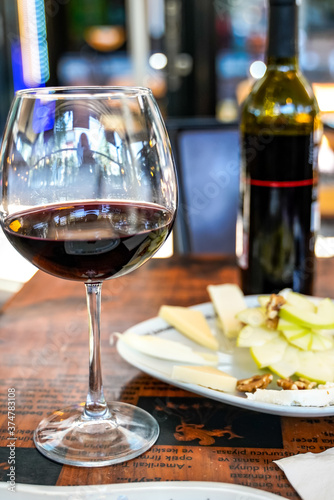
column 89, row 193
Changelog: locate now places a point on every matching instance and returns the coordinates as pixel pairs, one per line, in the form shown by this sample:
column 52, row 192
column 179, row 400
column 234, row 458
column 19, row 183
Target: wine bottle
column 280, row 132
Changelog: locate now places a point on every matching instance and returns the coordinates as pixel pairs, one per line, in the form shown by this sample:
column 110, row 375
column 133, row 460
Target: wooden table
column 44, row 357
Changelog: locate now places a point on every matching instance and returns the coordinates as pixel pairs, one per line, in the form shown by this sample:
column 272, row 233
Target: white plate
column 191, row 490
column 236, row 362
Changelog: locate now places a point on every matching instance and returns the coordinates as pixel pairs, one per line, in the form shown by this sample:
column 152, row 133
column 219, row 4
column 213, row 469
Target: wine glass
column 89, row 193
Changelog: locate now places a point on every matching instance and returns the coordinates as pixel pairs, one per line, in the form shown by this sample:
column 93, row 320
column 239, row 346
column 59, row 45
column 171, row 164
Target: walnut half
column 253, row 383
column 273, row 306
column 295, row 385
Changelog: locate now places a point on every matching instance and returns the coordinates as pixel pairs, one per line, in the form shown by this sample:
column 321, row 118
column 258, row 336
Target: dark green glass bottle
column 280, row 133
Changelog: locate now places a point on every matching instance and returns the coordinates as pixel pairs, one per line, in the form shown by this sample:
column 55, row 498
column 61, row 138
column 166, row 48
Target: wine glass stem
column 96, row 405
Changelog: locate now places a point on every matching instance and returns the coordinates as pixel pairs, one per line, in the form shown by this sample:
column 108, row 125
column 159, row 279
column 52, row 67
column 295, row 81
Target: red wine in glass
column 89, row 241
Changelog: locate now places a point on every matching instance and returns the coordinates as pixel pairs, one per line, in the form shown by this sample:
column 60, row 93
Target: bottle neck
column 282, row 51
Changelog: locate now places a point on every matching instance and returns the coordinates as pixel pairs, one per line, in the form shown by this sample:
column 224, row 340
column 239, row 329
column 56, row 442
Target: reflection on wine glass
column 89, row 193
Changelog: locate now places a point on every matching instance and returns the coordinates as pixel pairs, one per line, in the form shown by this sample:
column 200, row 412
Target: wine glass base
column 68, row 437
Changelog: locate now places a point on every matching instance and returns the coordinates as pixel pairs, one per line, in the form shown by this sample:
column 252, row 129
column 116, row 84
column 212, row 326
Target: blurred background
column 199, row 57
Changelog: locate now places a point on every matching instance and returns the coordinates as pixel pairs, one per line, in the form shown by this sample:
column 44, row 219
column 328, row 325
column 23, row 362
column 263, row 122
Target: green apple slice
column 322, row 319
column 328, row 356
column 308, row 340
column 321, row 342
column 301, row 338
column 251, row 336
column 269, row 353
column 253, row 316
column 326, row 307
column 315, row 367
column 300, row 301
column 289, row 363
column 285, row 325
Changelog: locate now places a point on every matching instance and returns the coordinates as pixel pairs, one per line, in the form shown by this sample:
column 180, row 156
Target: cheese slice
column 191, row 323
column 206, row 376
column 322, row 396
column 228, row 300
column 167, row 349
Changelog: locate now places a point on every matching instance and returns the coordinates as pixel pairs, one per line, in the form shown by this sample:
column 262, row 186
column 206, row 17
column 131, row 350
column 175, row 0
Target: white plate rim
column 157, row 325
column 239, row 492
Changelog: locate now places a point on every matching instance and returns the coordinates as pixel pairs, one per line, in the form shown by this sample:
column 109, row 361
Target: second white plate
column 236, row 362
column 138, row 491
